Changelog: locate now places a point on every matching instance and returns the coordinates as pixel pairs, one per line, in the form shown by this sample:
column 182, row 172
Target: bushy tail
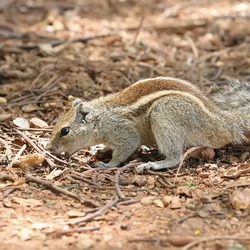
column 234, row 95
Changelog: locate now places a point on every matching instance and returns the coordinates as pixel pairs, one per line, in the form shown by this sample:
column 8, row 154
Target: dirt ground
column 52, row 52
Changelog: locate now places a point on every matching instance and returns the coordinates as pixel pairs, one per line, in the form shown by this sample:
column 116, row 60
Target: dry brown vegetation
column 53, row 51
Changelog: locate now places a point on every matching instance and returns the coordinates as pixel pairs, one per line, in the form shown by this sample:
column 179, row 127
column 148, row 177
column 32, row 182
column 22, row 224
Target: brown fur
column 149, row 86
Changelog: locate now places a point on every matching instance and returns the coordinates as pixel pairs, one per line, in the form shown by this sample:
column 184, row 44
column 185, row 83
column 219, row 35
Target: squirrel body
column 169, row 112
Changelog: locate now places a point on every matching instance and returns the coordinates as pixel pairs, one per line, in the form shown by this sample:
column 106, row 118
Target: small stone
column 175, row 202
column 185, row 190
column 167, row 200
column 158, row 203
column 148, row 200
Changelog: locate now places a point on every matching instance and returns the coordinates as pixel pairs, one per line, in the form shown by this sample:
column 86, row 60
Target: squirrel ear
column 76, row 101
column 83, row 111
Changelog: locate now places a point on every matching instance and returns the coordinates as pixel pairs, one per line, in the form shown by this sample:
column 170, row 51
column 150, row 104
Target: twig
column 241, row 184
column 196, row 242
column 185, row 156
column 192, row 46
column 7, row 149
column 77, row 177
column 38, row 149
column 60, row 42
column 128, row 202
column 95, row 214
column 117, row 174
column 138, row 30
column 6, row 177
column 164, row 184
column 17, row 156
column 47, row 129
column 53, row 187
column 59, row 233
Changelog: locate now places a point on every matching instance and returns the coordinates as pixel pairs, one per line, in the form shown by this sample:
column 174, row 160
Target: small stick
column 138, row 30
column 47, row 129
column 17, row 156
column 196, row 242
column 77, row 177
column 95, row 214
column 60, row 232
column 37, row 148
column 185, row 156
column 59, row 42
column 7, row 149
column 6, row 177
column 240, row 184
column 117, row 174
column 53, row 187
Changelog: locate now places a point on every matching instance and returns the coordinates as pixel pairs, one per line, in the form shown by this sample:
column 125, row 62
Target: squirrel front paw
column 101, row 164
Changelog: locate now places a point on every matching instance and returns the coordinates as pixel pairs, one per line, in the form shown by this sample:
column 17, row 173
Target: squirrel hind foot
column 165, row 164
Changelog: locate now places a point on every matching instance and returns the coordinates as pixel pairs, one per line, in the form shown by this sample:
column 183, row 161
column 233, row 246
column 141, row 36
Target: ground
column 52, row 52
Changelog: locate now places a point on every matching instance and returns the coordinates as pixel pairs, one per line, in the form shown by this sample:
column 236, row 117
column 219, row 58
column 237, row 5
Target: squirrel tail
column 234, row 102
column 234, row 95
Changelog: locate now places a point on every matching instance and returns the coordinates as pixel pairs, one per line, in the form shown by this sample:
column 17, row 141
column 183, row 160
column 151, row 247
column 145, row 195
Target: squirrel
column 168, row 112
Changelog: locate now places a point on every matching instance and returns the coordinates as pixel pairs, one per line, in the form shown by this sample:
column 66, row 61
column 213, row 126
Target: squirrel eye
column 64, row 131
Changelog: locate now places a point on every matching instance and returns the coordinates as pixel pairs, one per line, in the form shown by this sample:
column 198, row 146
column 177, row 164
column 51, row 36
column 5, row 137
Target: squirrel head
column 74, row 130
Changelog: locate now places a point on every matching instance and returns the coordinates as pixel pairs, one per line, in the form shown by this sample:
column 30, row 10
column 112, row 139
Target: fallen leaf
column 185, row 190
column 29, row 160
column 3, row 100
column 21, row 122
column 29, row 108
column 38, row 123
column 27, row 202
column 53, row 174
column 4, row 117
column 75, row 213
column 175, row 202
column 39, row 225
column 151, row 182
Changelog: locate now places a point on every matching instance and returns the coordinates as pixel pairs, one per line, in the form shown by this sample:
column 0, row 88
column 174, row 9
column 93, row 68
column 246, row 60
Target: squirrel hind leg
column 170, row 142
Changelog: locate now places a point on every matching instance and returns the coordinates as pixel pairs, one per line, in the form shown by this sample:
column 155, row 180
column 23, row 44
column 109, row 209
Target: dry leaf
column 29, row 160
column 3, row 100
column 54, row 173
column 21, row 122
column 185, row 190
column 27, row 202
column 175, row 202
column 39, row 225
column 75, row 213
column 38, row 123
column 25, row 234
column 4, row 117
column 29, row 108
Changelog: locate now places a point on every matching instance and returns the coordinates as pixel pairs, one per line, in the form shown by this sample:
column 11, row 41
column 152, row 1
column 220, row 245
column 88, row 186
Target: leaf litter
column 58, row 51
